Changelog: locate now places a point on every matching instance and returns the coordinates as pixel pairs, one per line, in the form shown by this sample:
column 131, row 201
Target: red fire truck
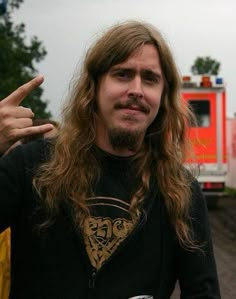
column 206, row 96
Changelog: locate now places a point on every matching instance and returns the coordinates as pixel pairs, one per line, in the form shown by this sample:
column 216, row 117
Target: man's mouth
column 134, row 107
column 131, row 106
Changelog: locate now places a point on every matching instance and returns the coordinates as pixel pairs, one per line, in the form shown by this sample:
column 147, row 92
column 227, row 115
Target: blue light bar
column 219, row 81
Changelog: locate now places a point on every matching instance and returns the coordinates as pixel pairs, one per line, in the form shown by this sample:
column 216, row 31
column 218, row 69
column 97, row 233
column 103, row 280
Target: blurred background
column 51, row 38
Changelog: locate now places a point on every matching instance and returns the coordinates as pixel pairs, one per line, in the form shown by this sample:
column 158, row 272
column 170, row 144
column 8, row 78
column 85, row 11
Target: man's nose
column 136, row 88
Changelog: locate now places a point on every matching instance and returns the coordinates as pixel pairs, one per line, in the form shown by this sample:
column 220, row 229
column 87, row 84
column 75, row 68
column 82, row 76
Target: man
column 112, row 212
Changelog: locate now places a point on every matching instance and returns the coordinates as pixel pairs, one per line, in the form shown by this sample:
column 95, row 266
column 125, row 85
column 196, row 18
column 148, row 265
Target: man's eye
column 122, row 74
column 151, row 79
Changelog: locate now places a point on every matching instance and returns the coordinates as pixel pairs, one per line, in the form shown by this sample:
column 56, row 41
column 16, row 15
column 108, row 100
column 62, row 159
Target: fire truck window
column 201, row 109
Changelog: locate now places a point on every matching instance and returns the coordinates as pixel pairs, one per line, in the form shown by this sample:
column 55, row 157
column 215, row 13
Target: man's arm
column 15, row 120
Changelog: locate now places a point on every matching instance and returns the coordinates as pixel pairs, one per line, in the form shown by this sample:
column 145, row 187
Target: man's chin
column 124, row 138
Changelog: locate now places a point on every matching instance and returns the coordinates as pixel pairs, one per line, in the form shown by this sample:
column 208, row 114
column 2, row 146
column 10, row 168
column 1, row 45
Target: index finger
column 17, row 96
column 33, row 130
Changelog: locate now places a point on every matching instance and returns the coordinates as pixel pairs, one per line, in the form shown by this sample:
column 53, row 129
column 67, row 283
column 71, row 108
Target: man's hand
column 15, row 120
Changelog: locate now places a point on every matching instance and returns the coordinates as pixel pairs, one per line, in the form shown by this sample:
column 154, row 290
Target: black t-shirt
column 110, row 221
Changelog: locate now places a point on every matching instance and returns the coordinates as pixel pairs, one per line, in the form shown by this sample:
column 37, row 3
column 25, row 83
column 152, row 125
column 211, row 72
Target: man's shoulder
column 38, row 145
column 37, row 150
column 32, row 153
column 198, row 203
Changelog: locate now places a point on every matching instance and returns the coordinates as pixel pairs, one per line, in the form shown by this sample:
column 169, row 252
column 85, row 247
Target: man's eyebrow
column 146, row 71
column 152, row 72
column 117, row 68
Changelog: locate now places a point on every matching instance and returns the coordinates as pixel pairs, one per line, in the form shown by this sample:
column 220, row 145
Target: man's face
column 128, row 100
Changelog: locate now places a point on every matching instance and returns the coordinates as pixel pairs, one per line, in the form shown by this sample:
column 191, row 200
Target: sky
column 192, row 28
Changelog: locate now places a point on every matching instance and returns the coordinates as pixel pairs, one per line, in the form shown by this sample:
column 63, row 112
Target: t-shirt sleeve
column 11, row 186
column 196, row 269
column 16, row 172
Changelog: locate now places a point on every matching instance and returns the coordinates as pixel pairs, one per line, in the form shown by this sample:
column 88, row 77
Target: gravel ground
column 223, row 226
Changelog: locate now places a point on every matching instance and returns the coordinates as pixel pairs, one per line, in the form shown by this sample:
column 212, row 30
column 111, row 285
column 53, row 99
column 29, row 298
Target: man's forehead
column 147, row 55
column 131, row 65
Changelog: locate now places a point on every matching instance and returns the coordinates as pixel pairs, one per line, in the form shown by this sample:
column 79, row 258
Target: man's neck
column 122, row 152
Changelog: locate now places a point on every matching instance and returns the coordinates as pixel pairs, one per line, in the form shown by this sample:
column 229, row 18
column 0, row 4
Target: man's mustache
column 130, row 103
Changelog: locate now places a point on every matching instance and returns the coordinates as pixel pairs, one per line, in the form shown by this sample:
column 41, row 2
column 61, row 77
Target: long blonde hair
column 73, row 168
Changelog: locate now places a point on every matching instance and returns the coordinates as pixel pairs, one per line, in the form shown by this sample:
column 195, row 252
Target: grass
column 230, row 191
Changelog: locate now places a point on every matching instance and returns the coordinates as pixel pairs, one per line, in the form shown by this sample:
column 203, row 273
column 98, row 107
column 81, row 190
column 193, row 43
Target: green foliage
column 14, row 4
column 17, row 61
column 205, row 66
column 230, row 191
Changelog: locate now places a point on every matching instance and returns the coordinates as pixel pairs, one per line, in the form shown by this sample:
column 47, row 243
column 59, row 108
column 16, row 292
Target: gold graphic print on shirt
column 103, row 234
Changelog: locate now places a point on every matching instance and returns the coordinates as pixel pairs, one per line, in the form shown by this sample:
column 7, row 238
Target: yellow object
column 5, row 264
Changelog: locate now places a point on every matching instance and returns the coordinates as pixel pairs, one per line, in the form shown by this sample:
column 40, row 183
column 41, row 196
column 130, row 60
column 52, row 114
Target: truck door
column 204, row 134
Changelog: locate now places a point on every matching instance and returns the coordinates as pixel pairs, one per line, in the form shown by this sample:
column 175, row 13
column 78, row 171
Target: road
column 223, row 226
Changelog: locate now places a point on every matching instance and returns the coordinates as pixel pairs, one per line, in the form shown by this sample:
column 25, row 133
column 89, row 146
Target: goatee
column 124, row 139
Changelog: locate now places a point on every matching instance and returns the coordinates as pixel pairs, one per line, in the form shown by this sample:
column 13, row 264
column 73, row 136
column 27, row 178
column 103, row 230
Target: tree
column 3, row 6
column 18, row 59
column 205, row 66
